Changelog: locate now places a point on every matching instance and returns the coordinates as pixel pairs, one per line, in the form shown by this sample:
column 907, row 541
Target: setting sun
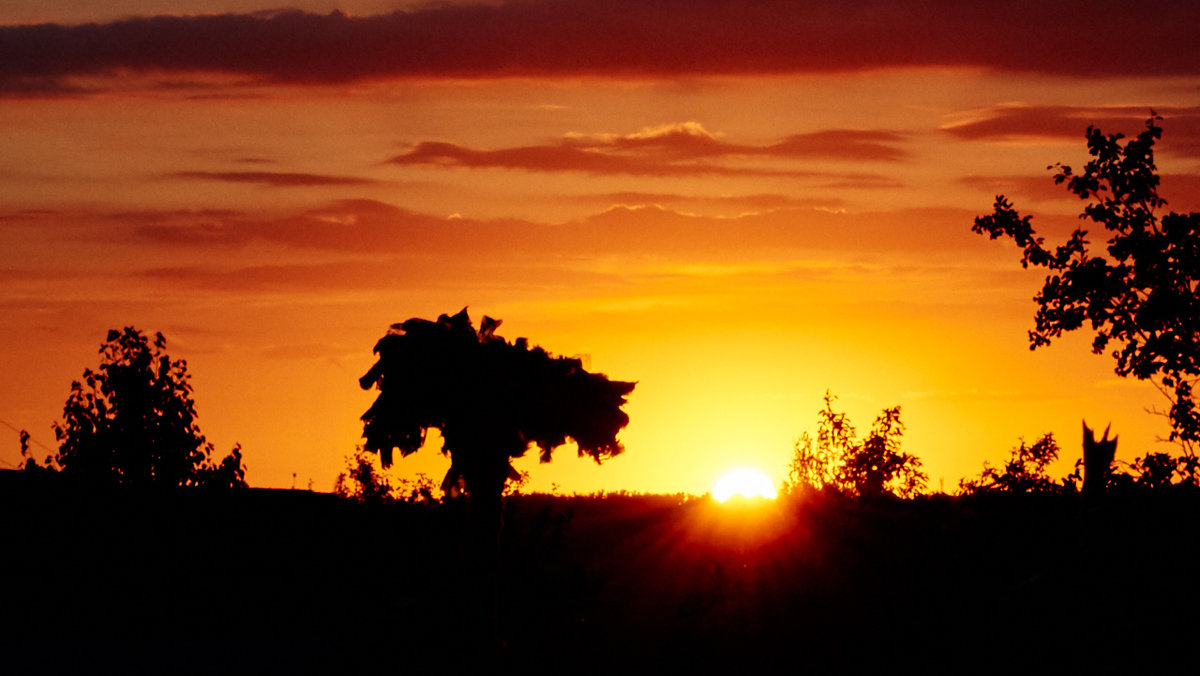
column 746, row 482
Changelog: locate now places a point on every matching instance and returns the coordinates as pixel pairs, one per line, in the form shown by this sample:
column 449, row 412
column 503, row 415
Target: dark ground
column 189, row 581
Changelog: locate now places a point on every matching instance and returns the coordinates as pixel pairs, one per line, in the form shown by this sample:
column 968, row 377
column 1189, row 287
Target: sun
column 744, row 481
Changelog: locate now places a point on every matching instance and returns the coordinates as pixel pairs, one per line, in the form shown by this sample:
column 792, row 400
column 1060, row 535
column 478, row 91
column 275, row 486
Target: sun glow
column 744, row 481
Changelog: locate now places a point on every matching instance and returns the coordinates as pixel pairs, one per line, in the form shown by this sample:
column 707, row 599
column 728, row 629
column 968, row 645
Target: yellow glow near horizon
column 766, row 234
column 744, row 481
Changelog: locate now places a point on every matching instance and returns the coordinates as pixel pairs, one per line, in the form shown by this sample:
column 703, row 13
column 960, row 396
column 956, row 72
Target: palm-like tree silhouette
column 490, row 399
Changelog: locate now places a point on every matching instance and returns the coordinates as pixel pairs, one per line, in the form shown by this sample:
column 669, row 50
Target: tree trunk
column 485, row 520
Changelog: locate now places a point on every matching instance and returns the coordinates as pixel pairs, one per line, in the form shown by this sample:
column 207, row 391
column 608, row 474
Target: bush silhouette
column 1023, row 472
column 870, row 468
column 361, row 482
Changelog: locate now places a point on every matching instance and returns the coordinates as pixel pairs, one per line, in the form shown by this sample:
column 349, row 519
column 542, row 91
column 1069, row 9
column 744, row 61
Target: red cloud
column 841, row 143
column 1181, row 126
column 275, row 179
column 622, row 38
column 673, row 150
column 363, row 226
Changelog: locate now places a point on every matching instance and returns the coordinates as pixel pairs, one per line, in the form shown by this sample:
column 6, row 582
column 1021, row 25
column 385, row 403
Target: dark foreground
column 290, row 581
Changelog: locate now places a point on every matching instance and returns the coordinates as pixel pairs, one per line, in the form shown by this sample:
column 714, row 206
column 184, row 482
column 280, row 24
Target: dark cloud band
column 620, row 38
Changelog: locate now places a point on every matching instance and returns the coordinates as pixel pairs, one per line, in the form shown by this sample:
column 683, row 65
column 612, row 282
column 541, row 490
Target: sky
column 739, row 205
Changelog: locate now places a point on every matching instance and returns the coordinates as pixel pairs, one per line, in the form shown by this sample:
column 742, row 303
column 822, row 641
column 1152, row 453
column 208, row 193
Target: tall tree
column 491, row 400
column 1139, row 291
column 133, row 421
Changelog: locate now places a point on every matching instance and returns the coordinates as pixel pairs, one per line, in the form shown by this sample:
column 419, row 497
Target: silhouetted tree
column 491, row 400
column 133, row 422
column 872, row 467
column 1139, row 292
column 1023, row 472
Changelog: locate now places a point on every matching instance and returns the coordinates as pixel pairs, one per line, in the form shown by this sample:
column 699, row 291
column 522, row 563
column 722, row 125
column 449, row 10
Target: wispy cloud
column 364, row 227
column 1181, row 126
column 625, row 38
column 683, row 149
column 739, row 203
column 274, row 179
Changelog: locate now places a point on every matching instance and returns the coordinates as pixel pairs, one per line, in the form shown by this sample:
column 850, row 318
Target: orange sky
column 737, row 205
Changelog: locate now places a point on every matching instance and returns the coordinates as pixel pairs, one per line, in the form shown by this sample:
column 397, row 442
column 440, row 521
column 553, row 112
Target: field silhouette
column 201, row 581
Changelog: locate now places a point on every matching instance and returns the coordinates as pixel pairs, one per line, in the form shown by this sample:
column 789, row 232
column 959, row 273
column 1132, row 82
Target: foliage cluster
column 1154, row 471
column 872, row 467
column 133, row 422
column 1138, row 293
